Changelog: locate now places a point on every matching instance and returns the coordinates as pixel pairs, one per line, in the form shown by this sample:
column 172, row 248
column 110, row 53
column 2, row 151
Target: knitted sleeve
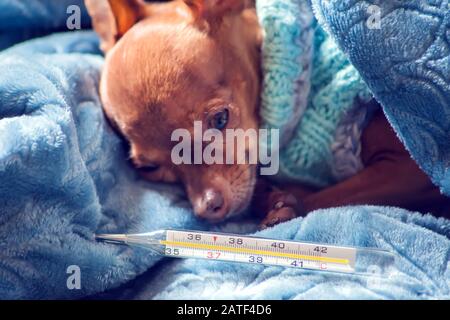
column 311, row 93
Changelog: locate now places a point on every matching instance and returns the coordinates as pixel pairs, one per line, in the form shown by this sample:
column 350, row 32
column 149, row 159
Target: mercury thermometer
column 259, row 251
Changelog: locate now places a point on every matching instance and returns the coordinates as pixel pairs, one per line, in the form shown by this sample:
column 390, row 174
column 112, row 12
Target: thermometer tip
column 111, row 238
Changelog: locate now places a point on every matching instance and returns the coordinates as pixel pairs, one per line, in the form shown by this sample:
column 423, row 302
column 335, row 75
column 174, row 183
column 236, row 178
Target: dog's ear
column 113, row 18
column 211, row 12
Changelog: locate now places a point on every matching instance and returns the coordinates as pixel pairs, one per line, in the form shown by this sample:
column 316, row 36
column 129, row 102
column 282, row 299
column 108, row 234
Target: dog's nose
column 211, row 206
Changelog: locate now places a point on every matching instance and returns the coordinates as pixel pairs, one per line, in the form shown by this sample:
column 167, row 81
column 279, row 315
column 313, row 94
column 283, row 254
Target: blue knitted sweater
column 311, row 92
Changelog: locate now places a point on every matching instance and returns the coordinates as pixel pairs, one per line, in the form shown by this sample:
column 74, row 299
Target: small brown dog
column 170, row 64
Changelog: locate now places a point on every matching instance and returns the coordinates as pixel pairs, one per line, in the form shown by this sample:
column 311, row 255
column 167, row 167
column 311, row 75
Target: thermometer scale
column 260, row 251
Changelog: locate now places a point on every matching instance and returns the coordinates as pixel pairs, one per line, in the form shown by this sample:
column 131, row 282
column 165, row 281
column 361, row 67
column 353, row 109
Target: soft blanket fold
column 405, row 61
column 24, row 19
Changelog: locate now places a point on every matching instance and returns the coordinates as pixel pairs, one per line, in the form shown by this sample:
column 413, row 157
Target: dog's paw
column 284, row 207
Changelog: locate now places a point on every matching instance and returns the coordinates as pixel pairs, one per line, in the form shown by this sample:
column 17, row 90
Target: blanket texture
column 402, row 51
column 65, row 177
column 25, row 19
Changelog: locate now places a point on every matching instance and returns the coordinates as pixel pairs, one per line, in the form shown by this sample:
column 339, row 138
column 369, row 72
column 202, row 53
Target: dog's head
column 171, row 64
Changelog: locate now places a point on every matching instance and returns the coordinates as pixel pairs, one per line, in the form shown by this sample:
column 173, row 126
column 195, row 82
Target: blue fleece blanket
column 25, row 19
column 65, row 176
column 402, row 51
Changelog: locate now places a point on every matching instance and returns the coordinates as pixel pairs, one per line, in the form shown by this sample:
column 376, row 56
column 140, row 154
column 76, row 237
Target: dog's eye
column 220, row 119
